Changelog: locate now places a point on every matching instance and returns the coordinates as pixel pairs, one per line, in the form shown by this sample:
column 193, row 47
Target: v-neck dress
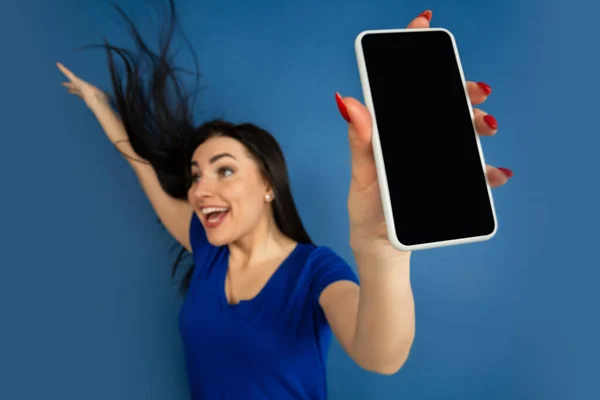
column 273, row 346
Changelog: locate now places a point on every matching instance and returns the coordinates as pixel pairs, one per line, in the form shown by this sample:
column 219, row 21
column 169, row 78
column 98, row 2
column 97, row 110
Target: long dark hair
column 158, row 117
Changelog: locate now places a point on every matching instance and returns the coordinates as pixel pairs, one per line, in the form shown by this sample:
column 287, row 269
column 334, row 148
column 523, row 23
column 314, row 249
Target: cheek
column 246, row 199
column 233, row 192
column 242, row 190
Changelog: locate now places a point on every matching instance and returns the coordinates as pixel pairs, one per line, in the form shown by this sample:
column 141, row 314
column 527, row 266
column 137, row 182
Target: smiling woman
column 254, row 299
column 262, row 300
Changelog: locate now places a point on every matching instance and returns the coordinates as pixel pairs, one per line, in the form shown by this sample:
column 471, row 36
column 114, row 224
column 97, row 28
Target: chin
column 217, row 240
column 218, row 243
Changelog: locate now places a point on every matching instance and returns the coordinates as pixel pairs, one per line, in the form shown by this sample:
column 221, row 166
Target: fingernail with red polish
column 485, row 87
column 427, row 14
column 506, row 172
column 491, row 121
column 342, row 107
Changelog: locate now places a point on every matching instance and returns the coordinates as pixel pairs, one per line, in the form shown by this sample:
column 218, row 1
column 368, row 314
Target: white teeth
column 209, row 210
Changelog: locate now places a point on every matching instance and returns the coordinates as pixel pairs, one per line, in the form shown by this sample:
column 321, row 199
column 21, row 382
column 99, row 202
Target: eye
column 225, row 171
column 195, row 178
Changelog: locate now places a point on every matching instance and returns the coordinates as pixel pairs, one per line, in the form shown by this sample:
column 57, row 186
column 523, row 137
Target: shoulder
column 323, row 256
column 196, row 232
column 326, row 267
column 202, row 250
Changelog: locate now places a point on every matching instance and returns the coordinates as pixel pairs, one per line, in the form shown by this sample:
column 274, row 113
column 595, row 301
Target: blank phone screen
column 434, row 172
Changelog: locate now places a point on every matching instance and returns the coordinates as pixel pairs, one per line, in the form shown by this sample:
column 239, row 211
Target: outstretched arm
column 376, row 322
column 174, row 214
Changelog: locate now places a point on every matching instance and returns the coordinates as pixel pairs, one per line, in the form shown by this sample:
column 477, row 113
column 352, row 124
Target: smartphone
column 429, row 160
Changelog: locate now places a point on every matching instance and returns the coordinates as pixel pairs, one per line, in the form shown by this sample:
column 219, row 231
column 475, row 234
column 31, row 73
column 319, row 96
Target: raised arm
column 174, row 214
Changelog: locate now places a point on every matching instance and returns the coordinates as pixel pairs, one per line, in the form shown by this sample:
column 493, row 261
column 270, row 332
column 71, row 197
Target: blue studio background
column 87, row 307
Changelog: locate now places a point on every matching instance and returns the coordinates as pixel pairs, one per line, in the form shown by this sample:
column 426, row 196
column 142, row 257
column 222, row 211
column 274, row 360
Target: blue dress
column 273, row 346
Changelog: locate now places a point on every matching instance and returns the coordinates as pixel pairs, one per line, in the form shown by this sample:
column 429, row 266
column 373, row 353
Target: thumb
column 359, row 135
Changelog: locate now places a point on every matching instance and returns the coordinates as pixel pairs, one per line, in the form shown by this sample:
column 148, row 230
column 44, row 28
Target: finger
column 359, row 136
column 66, row 71
column 478, row 92
column 497, row 176
column 486, row 124
column 72, row 88
column 421, row 21
column 75, row 92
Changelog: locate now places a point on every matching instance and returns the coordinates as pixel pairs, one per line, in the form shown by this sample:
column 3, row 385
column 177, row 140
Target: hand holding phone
column 434, row 183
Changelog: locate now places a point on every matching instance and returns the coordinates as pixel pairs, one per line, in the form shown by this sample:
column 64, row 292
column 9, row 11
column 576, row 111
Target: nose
column 203, row 188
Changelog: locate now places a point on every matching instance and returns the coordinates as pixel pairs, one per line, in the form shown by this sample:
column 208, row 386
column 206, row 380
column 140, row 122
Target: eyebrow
column 215, row 158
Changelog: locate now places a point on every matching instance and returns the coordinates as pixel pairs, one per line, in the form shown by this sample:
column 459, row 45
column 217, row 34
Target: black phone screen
column 434, row 172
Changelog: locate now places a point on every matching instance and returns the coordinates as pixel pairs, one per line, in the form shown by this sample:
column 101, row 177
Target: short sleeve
column 326, row 268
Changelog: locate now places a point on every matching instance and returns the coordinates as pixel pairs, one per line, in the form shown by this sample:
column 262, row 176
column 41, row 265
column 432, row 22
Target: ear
column 269, row 193
column 268, row 189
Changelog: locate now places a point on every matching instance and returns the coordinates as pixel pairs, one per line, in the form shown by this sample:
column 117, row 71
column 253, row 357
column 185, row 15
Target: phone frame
column 376, row 144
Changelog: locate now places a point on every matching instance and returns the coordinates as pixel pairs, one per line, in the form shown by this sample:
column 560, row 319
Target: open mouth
column 214, row 216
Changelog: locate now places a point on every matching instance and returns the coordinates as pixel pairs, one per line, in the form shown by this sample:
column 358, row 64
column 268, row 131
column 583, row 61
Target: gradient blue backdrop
column 87, row 307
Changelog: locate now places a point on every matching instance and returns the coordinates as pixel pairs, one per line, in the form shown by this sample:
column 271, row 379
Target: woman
column 261, row 299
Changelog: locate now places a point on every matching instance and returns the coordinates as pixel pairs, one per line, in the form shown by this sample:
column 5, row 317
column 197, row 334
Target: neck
column 264, row 242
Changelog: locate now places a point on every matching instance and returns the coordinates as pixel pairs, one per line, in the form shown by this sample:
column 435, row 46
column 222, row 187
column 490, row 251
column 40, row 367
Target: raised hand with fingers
column 89, row 93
